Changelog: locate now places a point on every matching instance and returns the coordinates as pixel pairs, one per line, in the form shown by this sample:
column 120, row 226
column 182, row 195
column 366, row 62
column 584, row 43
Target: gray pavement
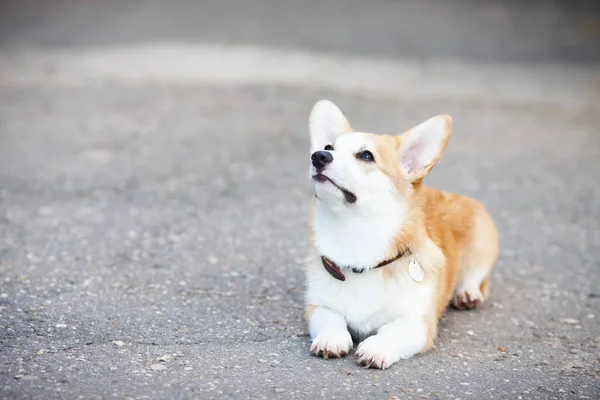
column 533, row 30
column 152, row 234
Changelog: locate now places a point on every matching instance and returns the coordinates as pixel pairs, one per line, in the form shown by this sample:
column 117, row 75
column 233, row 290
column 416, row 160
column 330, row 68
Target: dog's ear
column 422, row 147
column 325, row 124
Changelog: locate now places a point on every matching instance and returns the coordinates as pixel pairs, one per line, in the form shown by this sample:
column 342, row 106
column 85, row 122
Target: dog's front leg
column 397, row 340
column 328, row 331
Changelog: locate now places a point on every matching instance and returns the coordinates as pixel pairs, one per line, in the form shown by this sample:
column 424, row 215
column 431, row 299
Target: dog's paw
column 332, row 344
column 376, row 352
column 466, row 299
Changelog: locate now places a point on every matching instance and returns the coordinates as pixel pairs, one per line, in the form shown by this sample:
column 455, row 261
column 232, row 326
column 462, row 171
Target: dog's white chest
column 373, row 298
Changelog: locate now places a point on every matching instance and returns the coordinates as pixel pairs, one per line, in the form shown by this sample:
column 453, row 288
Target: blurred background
column 154, row 190
column 491, row 31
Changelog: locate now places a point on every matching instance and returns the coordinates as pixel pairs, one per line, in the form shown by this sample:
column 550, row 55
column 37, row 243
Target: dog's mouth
column 348, row 195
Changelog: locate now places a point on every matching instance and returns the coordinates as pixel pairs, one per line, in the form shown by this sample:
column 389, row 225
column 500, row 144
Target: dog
column 388, row 253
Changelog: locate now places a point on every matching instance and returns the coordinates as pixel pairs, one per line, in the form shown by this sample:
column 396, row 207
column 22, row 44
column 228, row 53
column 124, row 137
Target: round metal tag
column 416, row 271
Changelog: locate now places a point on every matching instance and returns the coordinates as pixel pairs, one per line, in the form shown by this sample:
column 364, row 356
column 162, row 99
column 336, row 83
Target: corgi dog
column 388, row 253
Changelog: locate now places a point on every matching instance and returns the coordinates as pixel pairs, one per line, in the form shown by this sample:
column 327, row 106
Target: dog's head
column 366, row 173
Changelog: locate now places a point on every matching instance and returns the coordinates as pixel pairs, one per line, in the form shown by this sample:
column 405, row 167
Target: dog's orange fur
column 460, row 226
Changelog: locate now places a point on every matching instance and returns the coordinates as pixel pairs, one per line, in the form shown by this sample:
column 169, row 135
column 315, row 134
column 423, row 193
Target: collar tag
column 416, row 271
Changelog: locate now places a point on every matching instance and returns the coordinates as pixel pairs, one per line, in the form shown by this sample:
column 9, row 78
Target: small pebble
column 118, row 343
column 569, row 321
column 158, row 367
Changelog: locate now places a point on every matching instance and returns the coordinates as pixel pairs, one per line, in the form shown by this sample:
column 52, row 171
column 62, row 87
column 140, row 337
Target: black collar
column 336, row 271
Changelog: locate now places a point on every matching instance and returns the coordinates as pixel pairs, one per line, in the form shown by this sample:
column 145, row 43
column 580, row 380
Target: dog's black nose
column 321, row 158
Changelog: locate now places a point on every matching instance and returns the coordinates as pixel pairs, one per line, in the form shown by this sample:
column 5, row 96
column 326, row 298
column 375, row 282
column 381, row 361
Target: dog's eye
column 329, row 147
column 365, row 156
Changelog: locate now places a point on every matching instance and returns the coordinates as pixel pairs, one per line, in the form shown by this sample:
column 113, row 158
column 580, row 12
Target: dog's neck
column 362, row 239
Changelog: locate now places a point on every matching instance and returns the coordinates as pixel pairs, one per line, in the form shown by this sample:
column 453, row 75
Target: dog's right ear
column 325, row 124
column 422, row 147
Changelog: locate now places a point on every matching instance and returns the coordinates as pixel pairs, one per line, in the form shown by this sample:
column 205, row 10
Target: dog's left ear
column 325, row 124
column 422, row 147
